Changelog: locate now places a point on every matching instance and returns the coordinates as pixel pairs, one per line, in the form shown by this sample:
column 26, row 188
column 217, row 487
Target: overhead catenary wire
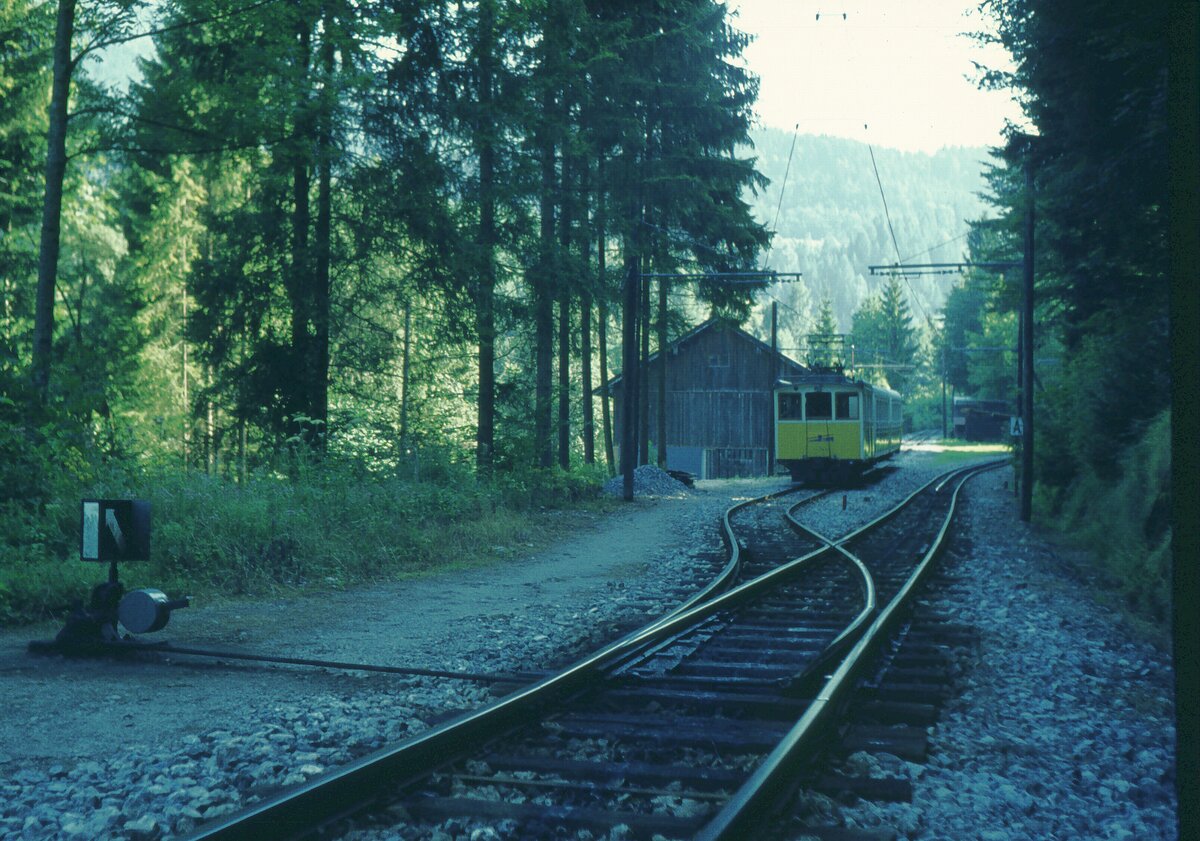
column 891, row 230
column 886, row 214
column 963, row 235
column 779, row 204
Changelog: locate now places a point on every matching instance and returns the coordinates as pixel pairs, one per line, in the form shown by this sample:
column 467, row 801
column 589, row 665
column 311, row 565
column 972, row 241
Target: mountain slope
column 832, row 224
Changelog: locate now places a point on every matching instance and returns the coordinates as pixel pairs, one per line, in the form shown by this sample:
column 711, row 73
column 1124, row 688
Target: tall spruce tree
column 884, row 335
column 678, row 103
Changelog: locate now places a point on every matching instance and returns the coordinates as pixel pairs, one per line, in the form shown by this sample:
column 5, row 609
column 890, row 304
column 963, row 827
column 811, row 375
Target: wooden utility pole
column 1027, row 345
column 944, row 433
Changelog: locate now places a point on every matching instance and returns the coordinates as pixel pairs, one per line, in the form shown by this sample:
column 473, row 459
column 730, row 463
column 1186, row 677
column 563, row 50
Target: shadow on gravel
column 853, row 483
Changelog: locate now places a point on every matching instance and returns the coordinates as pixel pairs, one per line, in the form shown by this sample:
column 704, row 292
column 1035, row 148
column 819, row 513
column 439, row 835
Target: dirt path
column 59, row 711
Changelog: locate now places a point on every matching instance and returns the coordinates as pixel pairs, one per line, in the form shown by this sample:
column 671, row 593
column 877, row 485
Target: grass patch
column 951, row 451
column 319, row 528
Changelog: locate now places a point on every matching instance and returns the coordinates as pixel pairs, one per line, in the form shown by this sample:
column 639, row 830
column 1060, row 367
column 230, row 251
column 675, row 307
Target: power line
column 925, row 269
column 779, row 205
column 963, row 235
column 730, row 278
column 888, row 216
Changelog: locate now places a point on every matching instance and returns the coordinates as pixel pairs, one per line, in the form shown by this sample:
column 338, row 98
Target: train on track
column 830, row 428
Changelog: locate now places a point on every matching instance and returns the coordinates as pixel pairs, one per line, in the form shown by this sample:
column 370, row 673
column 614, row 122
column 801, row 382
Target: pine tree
column 25, row 31
column 822, row 350
column 884, row 336
column 672, row 109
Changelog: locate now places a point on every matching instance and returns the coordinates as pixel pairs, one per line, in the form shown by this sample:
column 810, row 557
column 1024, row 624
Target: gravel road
column 92, row 750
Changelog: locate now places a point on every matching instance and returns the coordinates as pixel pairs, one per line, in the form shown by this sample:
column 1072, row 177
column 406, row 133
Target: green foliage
column 26, row 31
column 43, row 466
column 330, row 524
column 1092, row 78
column 1124, row 519
column 884, row 336
column 992, row 365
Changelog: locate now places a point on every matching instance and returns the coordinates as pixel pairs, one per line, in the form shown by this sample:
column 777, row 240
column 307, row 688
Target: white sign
column 1015, row 427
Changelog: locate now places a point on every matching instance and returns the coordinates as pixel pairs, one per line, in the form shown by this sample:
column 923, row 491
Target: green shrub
column 1125, row 522
column 304, row 524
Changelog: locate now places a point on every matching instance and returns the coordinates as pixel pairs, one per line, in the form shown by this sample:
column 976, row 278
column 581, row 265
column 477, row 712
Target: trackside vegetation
column 326, row 525
column 1092, row 79
column 336, row 285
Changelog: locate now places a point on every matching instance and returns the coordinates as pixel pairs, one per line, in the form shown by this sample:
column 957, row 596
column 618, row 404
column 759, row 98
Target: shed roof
column 713, row 323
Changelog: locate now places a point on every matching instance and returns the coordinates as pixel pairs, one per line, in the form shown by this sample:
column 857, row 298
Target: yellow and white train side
column 829, row 427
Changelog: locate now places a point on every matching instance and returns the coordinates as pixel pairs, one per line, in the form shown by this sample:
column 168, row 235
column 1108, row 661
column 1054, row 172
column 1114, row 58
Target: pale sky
column 898, row 66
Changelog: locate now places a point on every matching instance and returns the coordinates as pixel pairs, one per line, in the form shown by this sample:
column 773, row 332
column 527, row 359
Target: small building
column 981, row 420
column 719, row 401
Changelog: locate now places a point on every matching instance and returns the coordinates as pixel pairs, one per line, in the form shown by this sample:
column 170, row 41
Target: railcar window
column 847, row 406
column 789, row 406
column 818, row 405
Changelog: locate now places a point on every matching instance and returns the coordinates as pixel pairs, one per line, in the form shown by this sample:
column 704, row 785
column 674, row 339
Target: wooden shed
column 720, row 420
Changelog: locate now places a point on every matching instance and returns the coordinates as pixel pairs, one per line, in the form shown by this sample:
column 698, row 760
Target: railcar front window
column 789, row 407
column 818, row 405
column 847, row 406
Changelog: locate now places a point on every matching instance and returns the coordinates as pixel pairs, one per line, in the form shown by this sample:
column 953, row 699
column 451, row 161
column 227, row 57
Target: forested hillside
column 832, row 224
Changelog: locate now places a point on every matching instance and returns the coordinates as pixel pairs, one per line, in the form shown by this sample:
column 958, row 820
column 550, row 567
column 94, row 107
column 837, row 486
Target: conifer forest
column 337, row 285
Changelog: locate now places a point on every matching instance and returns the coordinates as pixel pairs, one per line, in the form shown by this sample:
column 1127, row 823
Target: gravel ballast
column 137, row 787
column 1062, row 725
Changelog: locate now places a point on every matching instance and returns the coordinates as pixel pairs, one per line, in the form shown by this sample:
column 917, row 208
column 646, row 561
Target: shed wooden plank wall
column 719, row 387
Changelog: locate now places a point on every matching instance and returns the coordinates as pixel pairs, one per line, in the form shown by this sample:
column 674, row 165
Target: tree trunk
column 605, row 400
column 319, row 371
column 585, row 351
column 56, row 168
column 187, row 409
column 543, row 282
column 644, row 382
column 602, row 326
column 300, row 274
column 661, row 431
column 485, row 300
column 629, row 369
column 564, row 325
column 588, row 424
column 404, row 372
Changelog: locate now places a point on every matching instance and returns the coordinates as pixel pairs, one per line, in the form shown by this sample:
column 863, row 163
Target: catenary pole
column 1027, row 346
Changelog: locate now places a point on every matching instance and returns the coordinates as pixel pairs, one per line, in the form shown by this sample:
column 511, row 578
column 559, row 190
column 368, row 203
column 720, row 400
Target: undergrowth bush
column 326, row 524
column 1125, row 522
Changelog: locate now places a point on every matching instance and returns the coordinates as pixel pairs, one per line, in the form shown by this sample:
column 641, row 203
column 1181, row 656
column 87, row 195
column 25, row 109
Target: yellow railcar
column 829, row 427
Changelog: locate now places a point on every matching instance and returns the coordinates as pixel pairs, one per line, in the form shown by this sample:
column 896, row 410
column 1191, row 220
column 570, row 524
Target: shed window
column 818, row 405
column 789, row 406
column 718, row 360
column 847, row 406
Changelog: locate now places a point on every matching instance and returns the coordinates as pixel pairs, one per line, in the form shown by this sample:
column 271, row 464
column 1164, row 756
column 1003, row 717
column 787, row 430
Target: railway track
column 696, row 726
